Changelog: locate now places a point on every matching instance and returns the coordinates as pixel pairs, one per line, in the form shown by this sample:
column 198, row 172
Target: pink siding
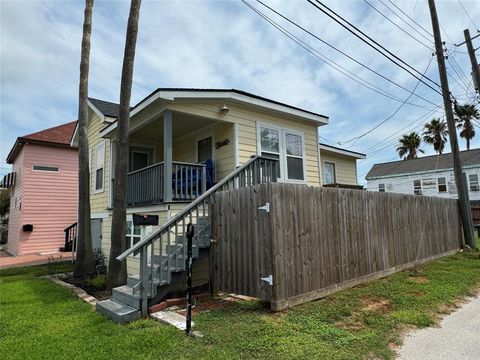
column 49, row 199
column 15, row 216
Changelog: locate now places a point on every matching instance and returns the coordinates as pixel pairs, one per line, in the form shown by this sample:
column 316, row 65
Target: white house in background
column 429, row 175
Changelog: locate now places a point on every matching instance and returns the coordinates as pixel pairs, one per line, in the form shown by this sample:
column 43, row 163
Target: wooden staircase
column 163, row 254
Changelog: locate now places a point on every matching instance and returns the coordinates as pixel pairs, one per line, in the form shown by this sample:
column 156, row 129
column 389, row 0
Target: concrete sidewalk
column 7, row 261
column 457, row 338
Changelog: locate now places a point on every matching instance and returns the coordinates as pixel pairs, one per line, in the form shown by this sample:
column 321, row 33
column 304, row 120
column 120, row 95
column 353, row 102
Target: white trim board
column 342, row 152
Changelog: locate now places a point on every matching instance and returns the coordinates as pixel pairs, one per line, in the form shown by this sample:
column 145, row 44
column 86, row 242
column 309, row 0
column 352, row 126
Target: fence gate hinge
column 268, row 279
column 265, row 207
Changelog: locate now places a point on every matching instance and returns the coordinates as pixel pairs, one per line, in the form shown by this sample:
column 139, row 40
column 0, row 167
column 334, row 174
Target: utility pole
column 473, row 59
column 447, row 102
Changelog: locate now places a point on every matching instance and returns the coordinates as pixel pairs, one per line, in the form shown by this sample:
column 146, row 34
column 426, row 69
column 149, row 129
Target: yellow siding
column 99, row 200
column 247, row 119
column 345, row 167
column 184, row 148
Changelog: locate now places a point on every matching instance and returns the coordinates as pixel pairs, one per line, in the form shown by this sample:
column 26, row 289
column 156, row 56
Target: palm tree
column 465, row 114
column 84, row 264
column 409, row 146
column 436, row 132
column 117, row 270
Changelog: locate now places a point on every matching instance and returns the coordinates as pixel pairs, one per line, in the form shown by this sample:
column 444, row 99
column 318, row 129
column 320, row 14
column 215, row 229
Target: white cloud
column 216, row 44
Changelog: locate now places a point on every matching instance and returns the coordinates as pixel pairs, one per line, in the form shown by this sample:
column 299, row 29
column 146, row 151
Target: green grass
column 41, row 320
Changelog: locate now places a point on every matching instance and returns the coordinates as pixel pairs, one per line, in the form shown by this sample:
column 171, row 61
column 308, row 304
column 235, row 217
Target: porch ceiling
column 181, row 124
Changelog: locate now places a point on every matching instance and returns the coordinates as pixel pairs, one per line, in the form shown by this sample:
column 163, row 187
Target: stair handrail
column 186, row 210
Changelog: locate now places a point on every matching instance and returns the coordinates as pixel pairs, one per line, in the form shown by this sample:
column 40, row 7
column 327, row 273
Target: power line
column 421, row 118
column 355, row 139
column 420, row 26
column 325, row 59
column 398, row 26
column 389, row 57
column 328, row 61
column 468, row 15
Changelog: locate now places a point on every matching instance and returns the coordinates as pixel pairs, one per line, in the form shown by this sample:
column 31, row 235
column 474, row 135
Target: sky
column 225, row 44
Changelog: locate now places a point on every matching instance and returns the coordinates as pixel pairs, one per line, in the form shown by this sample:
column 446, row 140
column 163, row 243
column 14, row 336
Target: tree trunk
column 84, row 265
column 117, row 270
column 468, row 143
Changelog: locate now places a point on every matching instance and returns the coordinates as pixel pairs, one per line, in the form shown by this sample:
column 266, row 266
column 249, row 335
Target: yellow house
column 338, row 167
column 184, row 144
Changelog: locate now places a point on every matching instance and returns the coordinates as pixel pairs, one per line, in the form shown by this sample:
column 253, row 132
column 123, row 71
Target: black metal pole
column 189, row 234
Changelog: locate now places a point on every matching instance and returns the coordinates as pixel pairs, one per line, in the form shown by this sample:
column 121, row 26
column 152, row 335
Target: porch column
column 167, row 156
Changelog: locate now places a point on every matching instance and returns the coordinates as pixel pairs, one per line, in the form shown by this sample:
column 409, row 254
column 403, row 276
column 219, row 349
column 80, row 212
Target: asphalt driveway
column 457, row 338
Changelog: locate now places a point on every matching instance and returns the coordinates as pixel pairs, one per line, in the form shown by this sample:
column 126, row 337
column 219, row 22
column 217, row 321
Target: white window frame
column 283, row 151
column 476, row 182
column 446, row 185
column 132, row 235
column 94, row 166
column 382, row 187
column 334, row 172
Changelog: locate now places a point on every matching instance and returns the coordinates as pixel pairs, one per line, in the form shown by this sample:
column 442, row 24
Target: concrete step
column 133, row 280
column 117, row 311
column 124, row 294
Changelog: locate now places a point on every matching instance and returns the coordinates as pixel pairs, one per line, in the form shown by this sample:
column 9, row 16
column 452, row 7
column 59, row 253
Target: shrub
column 97, row 282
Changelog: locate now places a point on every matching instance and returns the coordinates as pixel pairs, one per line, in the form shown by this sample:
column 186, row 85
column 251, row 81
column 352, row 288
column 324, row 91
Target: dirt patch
column 419, row 294
column 99, row 294
column 352, row 323
column 377, row 304
column 208, row 305
column 419, row 279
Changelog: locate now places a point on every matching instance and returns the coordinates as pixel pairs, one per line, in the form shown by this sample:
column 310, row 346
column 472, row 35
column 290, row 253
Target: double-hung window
column 473, row 180
column 97, row 167
column 442, row 184
column 417, row 187
column 287, row 147
column 381, row 187
column 330, row 173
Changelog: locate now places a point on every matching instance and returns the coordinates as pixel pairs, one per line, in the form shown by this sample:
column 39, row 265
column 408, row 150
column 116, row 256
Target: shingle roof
column 60, row 135
column 105, row 107
column 423, row 164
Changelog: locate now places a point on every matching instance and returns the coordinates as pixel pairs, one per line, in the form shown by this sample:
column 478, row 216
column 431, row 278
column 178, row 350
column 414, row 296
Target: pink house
column 44, row 190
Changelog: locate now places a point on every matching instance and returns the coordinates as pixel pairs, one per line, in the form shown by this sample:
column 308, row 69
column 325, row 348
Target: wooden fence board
column 315, row 241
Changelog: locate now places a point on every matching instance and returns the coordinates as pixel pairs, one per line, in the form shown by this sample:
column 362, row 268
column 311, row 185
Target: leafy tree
column 84, row 264
column 465, row 115
column 117, row 270
column 409, row 146
column 4, row 202
column 436, row 132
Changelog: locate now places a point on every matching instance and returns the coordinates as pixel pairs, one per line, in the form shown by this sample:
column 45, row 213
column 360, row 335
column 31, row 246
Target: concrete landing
column 172, row 318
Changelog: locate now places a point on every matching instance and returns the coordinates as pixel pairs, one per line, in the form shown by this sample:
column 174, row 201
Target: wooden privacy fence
column 289, row 244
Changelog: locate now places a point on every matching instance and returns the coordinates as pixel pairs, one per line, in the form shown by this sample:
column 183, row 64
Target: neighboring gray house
column 429, row 175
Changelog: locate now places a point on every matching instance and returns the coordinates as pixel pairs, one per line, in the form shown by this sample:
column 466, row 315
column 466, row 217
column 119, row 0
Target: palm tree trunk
column 468, row 143
column 84, row 265
column 117, row 270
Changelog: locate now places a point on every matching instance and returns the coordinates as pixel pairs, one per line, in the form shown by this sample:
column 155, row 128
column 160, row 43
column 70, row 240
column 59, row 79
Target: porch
column 175, row 157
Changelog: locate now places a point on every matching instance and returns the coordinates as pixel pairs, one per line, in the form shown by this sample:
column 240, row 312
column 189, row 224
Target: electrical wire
column 333, row 47
column 468, row 15
column 398, row 26
column 356, row 138
column 321, row 7
column 420, row 26
column 325, row 59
